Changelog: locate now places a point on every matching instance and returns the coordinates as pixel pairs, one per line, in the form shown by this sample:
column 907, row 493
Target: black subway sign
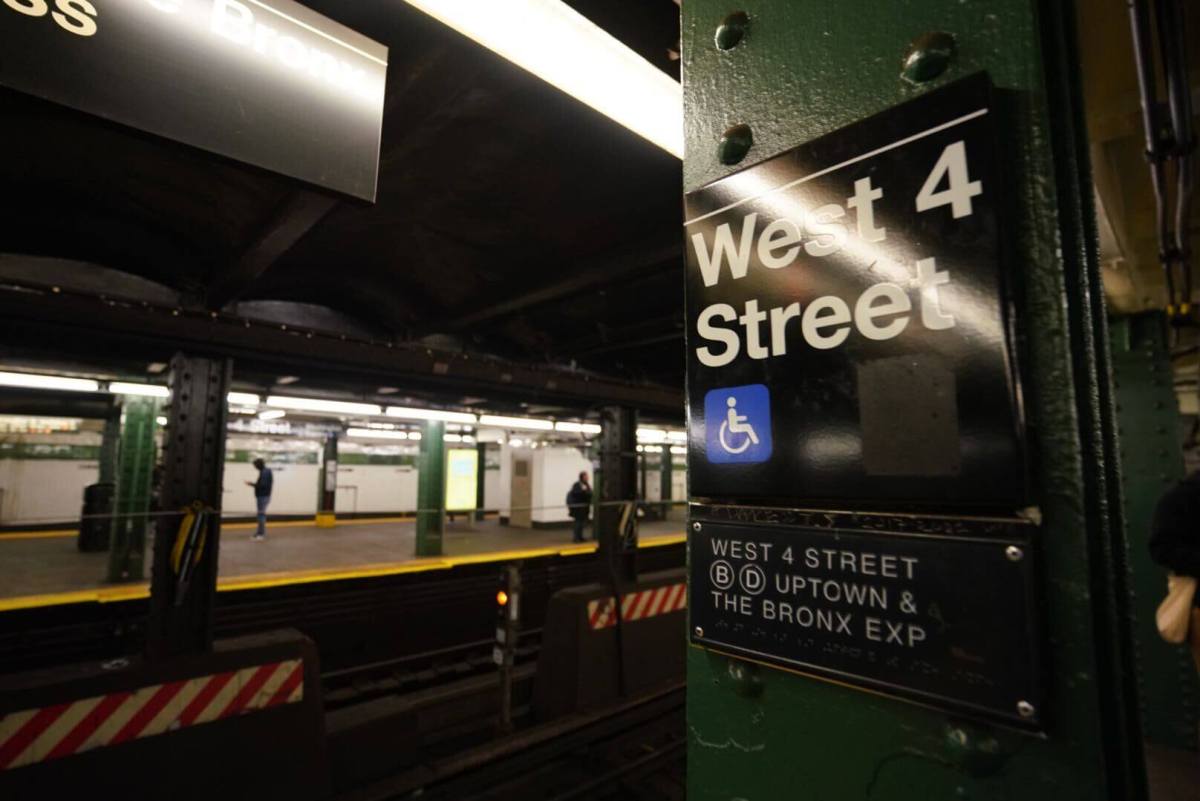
column 266, row 82
column 944, row 620
column 847, row 324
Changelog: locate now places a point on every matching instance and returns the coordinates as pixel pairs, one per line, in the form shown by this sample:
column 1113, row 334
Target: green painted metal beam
column 1151, row 462
column 135, row 476
column 431, row 490
column 802, row 70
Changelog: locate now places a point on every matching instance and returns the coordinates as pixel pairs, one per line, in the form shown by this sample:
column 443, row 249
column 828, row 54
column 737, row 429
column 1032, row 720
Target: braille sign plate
column 945, row 620
column 847, row 334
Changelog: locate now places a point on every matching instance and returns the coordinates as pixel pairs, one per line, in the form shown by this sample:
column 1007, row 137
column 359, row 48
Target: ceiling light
column 515, row 443
column 516, row 422
column 388, row 390
column 162, row 421
column 453, row 437
column 321, row 405
column 243, row 398
column 32, row 381
column 243, row 410
column 651, row 435
column 677, row 436
column 375, row 433
column 565, row 49
column 272, row 414
column 145, row 390
column 287, row 379
column 577, row 428
column 679, row 450
column 408, row 413
column 414, row 435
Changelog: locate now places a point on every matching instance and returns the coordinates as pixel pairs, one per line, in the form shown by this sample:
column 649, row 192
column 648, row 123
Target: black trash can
column 96, row 521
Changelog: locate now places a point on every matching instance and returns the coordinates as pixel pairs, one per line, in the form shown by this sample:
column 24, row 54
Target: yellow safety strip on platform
column 38, row 535
column 257, row 581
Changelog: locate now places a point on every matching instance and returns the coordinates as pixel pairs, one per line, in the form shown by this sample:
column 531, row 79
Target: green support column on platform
column 327, row 499
column 802, row 70
column 480, row 479
column 135, row 474
column 667, row 467
column 1151, row 462
column 431, row 490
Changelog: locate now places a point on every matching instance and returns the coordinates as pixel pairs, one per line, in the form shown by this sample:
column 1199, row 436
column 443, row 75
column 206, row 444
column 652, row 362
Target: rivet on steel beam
column 696, row 526
column 1026, row 709
column 735, row 144
column 731, row 30
column 928, row 57
column 699, row 631
column 1014, row 553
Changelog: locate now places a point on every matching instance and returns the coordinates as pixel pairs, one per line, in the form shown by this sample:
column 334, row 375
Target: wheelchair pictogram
column 735, row 423
column 738, row 424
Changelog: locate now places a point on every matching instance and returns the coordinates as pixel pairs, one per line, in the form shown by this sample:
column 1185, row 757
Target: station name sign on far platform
column 267, row 82
column 847, row 334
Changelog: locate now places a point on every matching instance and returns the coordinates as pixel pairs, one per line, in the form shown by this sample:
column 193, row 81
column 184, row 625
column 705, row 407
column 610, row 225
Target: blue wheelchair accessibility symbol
column 737, row 424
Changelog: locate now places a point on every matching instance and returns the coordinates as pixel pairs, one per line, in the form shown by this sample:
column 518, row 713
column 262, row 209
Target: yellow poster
column 462, row 475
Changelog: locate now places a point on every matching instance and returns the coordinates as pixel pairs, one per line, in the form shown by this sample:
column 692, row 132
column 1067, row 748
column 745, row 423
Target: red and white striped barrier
column 40, row 735
column 638, row 605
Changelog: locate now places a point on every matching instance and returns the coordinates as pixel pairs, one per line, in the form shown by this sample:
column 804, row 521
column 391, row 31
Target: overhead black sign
column 266, row 82
column 846, row 317
column 945, row 620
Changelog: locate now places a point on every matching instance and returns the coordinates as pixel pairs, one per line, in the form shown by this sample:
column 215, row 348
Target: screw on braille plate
column 928, row 57
column 735, row 144
column 696, row 526
column 1014, row 553
column 731, row 30
column 1025, row 709
column 699, row 631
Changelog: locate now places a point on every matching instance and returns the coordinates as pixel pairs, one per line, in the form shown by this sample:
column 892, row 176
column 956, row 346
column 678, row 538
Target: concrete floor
column 39, row 564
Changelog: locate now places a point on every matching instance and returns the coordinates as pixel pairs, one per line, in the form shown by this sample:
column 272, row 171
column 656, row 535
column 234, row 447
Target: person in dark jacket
column 262, row 496
column 1175, row 529
column 579, row 504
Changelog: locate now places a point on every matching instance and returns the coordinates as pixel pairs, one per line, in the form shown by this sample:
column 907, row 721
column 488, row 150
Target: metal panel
column 801, row 71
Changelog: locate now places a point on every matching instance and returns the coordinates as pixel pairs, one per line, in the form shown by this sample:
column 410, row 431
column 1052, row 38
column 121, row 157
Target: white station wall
column 554, row 471
column 44, row 490
column 376, row 488
column 294, row 490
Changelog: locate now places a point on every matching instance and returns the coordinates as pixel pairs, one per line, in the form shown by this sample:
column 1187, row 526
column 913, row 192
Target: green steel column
column 806, row 69
column 431, row 490
column 135, row 472
column 1151, row 462
column 480, row 479
column 666, row 466
column 327, row 499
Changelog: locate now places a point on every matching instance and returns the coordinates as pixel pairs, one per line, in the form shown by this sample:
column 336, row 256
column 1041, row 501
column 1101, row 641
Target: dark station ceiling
column 522, row 245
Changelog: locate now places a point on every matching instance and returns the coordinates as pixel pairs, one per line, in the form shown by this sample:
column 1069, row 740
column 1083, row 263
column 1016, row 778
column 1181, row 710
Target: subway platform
column 42, row 568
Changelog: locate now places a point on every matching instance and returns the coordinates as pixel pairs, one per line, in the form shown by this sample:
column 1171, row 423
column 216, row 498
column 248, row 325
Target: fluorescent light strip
column 515, row 422
column 144, row 390
column 679, row 450
column 577, row 428
column 272, row 414
column 243, row 399
column 568, row 51
column 32, row 381
column 651, row 435
column 408, row 413
column 375, row 433
column 321, row 405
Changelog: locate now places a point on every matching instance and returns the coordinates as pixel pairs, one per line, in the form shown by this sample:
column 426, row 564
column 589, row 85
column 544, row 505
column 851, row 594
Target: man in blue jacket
column 262, row 496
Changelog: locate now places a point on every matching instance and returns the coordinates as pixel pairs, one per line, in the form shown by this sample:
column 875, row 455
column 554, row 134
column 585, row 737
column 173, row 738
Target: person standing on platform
column 579, row 504
column 262, row 496
column 1175, row 541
